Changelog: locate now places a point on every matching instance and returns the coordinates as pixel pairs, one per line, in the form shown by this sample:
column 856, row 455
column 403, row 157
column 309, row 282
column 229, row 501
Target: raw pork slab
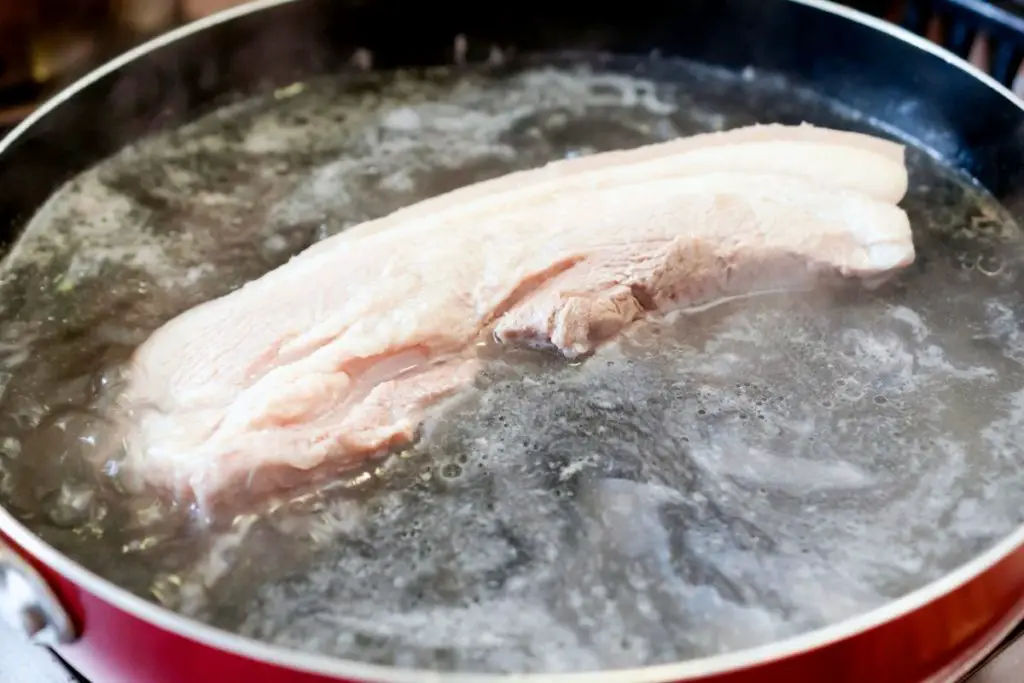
column 335, row 356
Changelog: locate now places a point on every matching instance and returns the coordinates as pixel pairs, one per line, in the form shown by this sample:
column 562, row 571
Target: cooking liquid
column 718, row 479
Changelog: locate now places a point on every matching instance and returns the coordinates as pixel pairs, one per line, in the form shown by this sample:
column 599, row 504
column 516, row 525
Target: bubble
column 10, row 447
column 990, row 265
column 451, row 471
column 72, row 505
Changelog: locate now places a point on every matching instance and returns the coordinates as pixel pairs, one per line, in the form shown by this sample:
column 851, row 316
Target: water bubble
column 990, row 265
column 141, row 545
column 10, row 447
column 5, row 379
column 966, row 259
column 166, row 589
column 579, row 152
column 451, row 471
column 71, row 506
column 851, row 390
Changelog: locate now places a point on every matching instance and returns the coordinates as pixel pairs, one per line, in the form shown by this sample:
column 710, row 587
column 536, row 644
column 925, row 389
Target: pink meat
column 337, row 355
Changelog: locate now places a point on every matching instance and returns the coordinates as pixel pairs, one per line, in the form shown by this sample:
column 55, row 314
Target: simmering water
column 718, row 479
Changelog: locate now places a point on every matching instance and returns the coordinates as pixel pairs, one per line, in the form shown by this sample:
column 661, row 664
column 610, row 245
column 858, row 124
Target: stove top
column 24, row 663
column 46, row 44
column 1004, row 664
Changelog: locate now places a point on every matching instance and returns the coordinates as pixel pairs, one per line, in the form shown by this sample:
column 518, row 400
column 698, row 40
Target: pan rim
column 248, row 648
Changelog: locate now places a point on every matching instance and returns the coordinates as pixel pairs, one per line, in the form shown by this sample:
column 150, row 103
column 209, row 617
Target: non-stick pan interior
column 718, row 480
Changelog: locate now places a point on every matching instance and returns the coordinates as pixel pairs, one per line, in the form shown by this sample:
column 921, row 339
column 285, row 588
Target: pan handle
column 27, row 603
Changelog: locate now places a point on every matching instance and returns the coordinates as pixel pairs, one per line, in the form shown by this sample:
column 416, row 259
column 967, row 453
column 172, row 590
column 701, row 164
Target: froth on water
column 718, row 479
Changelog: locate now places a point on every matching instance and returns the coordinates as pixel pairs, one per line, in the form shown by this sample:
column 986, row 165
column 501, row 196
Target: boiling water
column 717, row 480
